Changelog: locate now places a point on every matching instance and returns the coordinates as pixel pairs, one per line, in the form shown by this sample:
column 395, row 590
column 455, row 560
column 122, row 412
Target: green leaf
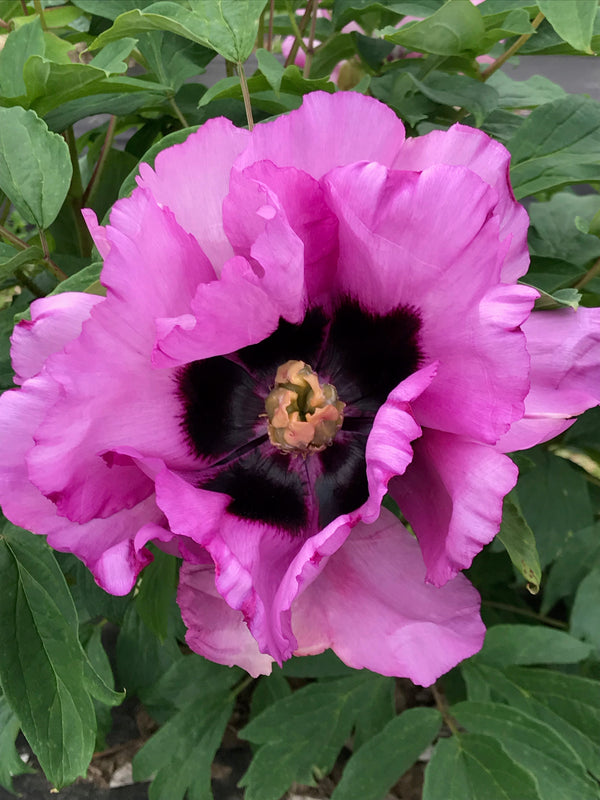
column 554, row 232
column 534, row 91
column 35, row 168
column 42, row 669
column 10, row 763
column 157, row 592
column 324, row 665
column 173, row 59
column 558, row 144
column 533, row 745
column 454, row 29
column 561, row 298
column 322, row 714
column 460, row 90
column 228, row 26
column 568, row 704
column 11, row 258
column 271, row 68
column 110, row 9
column 111, row 58
column 573, row 20
column 81, row 281
column 268, row 690
column 99, row 682
column 555, row 501
column 18, row 46
column 385, row 758
column 585, row 616
column 530, row 644
column 58, row 119
column 473, row 766
column 516, row 535
column 580, row 554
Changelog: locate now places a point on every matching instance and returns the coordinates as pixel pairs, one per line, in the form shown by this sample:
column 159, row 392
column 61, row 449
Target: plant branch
column 311, row 39
column 298, row 32
column 592, row 272
column 28, row 283
column 270, row 33
column 53, row 266
column 511, row 50
column 37, row 4
column 526, row 612
column 24, row 7
column 442, row 707
column 245, row 95
column 12, row 239
column 178, row 113
column 92, row 185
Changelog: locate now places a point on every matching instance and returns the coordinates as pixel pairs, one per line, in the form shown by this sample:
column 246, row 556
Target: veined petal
column 371, row 605
column 452, row 495
column 468, row 147
column 55, row 321
column 564, row 346
column 365, row 130
column 192, row 179
column 215, row 630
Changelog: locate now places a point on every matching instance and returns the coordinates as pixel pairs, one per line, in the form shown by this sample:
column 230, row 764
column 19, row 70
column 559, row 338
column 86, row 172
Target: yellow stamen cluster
column 304, row 415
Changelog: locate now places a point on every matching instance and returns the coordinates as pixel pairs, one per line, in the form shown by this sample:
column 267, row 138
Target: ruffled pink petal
column 215, row 630
column 192, row 179
column 452, row 496
column 98, row 233
column 372, row 607
column 279, row 218
column 106, row 546
column 226, row 314
column 325, row 132
column 564, row 346
column 55, row 321
column 468, row 147
column 443, row 261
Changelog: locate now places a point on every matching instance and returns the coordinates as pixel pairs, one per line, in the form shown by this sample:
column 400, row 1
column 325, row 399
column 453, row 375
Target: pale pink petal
column 468, row 147
column 192, row 179
column 564, row 346
column 226, row 314
column 215, row 630
column 371, row 605
column 452, row 496
column 55, row 321
column 327, row 131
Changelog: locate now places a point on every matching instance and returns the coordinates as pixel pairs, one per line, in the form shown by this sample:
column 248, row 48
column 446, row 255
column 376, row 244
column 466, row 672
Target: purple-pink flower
column 297, row 320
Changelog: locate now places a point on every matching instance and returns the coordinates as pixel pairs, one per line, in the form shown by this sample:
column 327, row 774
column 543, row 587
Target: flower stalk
column 245, row 95
column 511, row 50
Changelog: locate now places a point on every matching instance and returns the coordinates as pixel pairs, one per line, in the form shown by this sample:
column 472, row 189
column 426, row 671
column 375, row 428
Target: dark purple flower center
column 363, row 355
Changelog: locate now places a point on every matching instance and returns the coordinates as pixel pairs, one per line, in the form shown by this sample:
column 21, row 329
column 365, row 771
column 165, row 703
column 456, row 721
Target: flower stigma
column 304, row 414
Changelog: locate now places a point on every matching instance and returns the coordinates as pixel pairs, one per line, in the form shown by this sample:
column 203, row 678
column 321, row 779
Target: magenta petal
column 372, row 607
column 55, row 321
column 192, row 179
column 452, row 496
column 227, row 314
column 468, row 147
column 327, row 131
column 564, row 346
column 97, row 232
column 215, row 630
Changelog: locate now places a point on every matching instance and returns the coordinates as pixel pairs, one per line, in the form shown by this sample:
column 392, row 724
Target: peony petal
column 371, row 606
column 227, row 314
column 97, row 232
column 452, row 496
column 55, row 321
column 564, row 346
column 192, row 179
column 327, row 131
column 468, row 147
column 215, row 630
column 444, row 262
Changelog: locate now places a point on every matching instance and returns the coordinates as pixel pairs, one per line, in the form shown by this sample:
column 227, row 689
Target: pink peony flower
column 298, row 320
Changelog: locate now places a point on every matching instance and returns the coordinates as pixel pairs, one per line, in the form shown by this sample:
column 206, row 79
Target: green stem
column 311, row 39
column 37, row 4
column 178, row 113
column 245, row 95
column 260, row 36
column 12, row 239
column 53, row 267
column 592, row 272
column 241, row 686
column 24, row 7
column 270, row 34
column 442, row 707
column 526, row 612
column 511, row 50
column 298, row 32
column 94, row 180
column 75, row 198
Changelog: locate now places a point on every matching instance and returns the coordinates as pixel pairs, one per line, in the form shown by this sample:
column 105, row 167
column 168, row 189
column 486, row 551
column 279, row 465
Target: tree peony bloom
column 298, row 320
